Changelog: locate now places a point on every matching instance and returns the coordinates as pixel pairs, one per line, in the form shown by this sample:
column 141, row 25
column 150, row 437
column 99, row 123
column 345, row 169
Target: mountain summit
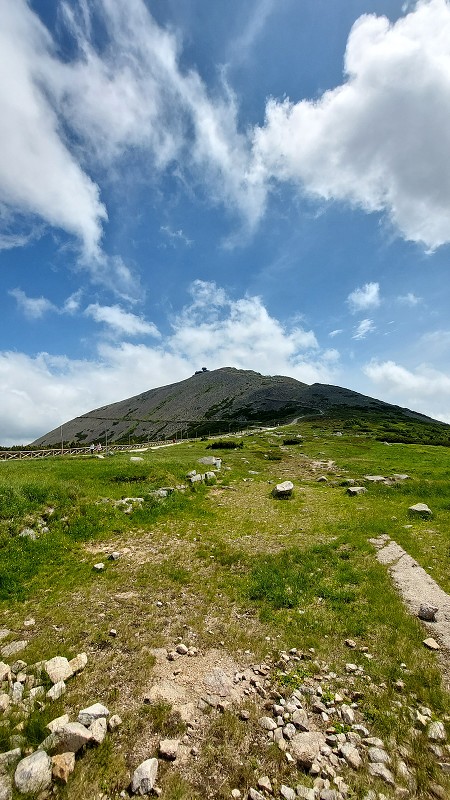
column 222, row 400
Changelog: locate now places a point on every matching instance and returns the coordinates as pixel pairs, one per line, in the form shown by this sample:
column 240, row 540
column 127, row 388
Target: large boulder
column 58, row 669
column 33, row 773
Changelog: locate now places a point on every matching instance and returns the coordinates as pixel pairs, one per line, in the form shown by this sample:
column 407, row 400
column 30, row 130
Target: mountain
column 222, row 400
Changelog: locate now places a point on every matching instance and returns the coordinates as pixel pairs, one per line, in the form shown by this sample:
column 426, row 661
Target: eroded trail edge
column 417, row 587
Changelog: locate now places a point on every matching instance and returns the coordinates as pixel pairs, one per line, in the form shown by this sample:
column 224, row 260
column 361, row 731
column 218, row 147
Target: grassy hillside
column 228, row 569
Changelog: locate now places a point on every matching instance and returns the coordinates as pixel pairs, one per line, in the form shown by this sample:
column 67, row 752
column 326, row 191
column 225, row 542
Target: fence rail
column 10, row 455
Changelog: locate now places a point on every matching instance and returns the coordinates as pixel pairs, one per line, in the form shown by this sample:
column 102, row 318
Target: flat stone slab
column 12, row 648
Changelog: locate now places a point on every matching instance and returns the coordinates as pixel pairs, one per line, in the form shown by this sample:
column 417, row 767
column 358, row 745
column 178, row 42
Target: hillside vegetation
column 245, row 579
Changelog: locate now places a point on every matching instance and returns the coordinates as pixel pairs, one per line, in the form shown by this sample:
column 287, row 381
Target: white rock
column 267, row 723
column 57, row 691
column 33, row 773
column 306, row 747
column 351, row 755
column 378, row 756
column 58, row 669
column 287, row 792
column 168, row 748
column 12, row 648
column 98, row 729
column 421, row 510
column 57, row 723
column 381, row 771
column 78, row 663
column 436, row 732
column 70, row 738
column 99, row 567
column 144, row 777
column 96, row 711
column 114, row 722
column 4, row 702
column 9, row 758
column 5, row 672
column 5, row 787
column 347, row 714
column 283, row 489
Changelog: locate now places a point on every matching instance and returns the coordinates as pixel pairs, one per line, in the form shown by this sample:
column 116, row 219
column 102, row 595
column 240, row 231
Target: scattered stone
column 78, row 663
column 431, row 644
column 235, row 793
column 382, row 772
column 70, row 738
column 114, row 722
column 378, row 756
column 255, row 795
column 300, row 719
column 114, row 556
column 427, row 613
column 57, row 691
column 5, row 787
column 9, row 758
column 88, row 715
column 351, row 755
column 265, row 784
column 350, row 643
column 283, row 490
column 306, row 747
column 437, row 791
column 182, row 649
column 28, row 533
column 5, row 672
column 57, row 723
column 353, row 491
column 436, row 732
column 12, row 648
column 347, row 714
column 267, row 723
column 421, row 510
column 58, row 669
column 98, row 729
column 62, row 766
column 99, row 567
column 168, row 748
column 305, row 793
column 33, row 773
column 287, row 792
column 144, row 777
column 4, row 633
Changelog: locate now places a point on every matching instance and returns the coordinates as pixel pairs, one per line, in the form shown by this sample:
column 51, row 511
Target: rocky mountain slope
column 222, row 400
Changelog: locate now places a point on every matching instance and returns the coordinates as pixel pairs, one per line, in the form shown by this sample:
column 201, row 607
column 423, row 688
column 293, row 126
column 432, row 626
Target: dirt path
column 416, row 587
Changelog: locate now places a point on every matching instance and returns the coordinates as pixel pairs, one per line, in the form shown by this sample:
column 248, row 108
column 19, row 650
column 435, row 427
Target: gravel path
column 416, row 587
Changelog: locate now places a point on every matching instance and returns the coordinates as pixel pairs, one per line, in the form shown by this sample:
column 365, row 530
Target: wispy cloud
column 368, row 296
column 336, row 332
column 176, row 237
column 32, row 307
column 365, row 327
column 409, row 299
column 121, row 322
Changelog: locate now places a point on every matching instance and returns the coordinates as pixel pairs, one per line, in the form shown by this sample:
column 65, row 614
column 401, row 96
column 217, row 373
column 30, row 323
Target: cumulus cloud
column 121, row 322
column 368, row 296
column 423, row 389
column 365, row 326
column 40, row 392
column 380, row 140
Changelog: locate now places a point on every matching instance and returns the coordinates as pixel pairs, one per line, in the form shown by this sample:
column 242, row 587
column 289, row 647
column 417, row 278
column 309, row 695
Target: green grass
column 225, row 563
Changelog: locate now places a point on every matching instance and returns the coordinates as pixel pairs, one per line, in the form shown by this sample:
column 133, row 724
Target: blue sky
column 263, row 185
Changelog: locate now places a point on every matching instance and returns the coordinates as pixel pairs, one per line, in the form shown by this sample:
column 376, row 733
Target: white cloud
column 38, row 393
column 336, row 332
column 175, row 237
column 409, row 299
column 32, row 307
column 368, row 296
column 38, row 173
column 380, row 141
column 365, row 326
column 423, row 389
column 121, row 322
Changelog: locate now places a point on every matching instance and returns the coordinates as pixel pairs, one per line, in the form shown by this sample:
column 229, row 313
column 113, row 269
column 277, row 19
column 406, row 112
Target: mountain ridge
column 214, row 401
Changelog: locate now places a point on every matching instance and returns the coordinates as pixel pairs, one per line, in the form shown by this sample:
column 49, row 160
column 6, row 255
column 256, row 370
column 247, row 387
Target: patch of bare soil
column 417, row 588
